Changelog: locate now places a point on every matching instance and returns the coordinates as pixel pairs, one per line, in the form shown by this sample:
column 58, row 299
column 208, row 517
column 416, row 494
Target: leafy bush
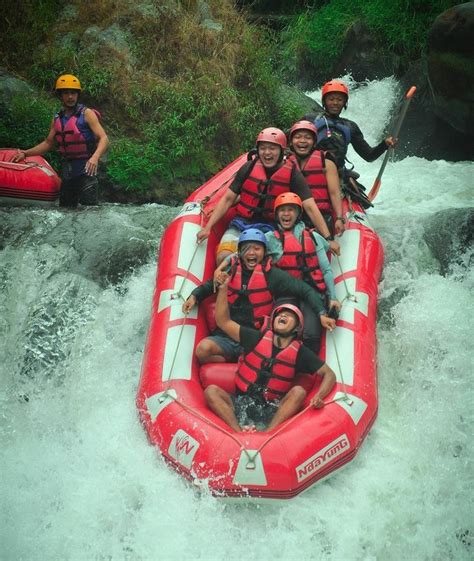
column 314, row 41
column 26, row 121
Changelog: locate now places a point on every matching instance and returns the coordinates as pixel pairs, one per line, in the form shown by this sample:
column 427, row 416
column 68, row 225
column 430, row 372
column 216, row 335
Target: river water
column 79, row 480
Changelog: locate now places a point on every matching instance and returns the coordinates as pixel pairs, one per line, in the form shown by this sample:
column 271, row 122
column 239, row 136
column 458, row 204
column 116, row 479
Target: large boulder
column 361, row 56
column 11, row 86
column 451, row 67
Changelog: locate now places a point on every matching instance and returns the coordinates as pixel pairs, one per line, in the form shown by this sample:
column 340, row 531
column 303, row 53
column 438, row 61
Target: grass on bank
column 179, row 100
column 314, row 42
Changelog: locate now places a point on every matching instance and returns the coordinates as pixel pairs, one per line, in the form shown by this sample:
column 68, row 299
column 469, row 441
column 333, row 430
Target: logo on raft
column 183, row 448
column 323, row 457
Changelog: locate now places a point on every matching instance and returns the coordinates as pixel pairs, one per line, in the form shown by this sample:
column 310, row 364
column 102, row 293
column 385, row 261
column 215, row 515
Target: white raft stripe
column 157, row 402
column 344, row 339
column 356, row 409
column 168, row 298
column 348, row 306
column 350, row 244
column 192, row 257
column 178, row 355
column 250, row 472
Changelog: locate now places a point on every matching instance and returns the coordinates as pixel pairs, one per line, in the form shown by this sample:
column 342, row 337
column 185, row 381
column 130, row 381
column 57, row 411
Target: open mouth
column 286, row 221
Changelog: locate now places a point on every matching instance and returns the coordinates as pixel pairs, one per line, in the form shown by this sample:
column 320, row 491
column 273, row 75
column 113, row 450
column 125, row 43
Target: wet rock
column 450, row 66
column 205, row 15
column 112, row 41
column 449, row 235
column 362, row 58
column 424, row 133
column 11, row 86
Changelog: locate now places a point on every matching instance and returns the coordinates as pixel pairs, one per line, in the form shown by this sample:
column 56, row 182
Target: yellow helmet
column 68, row 82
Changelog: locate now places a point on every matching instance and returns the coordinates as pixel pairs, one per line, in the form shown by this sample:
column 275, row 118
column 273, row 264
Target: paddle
column 396, row 131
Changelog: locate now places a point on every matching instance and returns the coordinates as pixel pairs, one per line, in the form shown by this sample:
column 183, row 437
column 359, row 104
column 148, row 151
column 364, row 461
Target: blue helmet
column 252, row 235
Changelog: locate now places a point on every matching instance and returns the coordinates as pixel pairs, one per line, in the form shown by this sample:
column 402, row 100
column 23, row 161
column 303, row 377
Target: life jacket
column 276, row 373
column 73, row 135
column 334, row 136
column 314, row 172
column 257, row 187
column 256, row 290
column 300, row 259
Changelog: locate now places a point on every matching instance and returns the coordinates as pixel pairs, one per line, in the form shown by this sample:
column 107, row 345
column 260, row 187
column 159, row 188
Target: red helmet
column 334, row 86
column 272, row 134
column 295, row 310
column 303, row 125
column 288, row 199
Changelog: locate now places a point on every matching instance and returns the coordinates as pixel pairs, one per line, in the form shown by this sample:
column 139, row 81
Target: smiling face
column 269, row 153
column 287, row 215
column 69, row 98
column 251, row 254
column 334, row 103
column 285, row 323
column 302, row 142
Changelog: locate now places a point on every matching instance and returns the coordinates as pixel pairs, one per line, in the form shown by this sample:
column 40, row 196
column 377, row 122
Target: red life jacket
column 314, row 172
column 257, row 187
column 300, row 259
column 279, row 371
column 75, row 139
column 257, row 290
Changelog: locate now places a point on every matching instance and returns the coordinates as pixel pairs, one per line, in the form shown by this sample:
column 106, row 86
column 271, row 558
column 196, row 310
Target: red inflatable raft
column 306, row 448
column 32, row 180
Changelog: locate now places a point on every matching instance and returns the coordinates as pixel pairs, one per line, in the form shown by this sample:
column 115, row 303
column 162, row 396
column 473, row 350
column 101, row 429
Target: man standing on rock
column 81, row 140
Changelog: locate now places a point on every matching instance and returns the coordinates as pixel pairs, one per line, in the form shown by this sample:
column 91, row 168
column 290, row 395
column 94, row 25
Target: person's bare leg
column 220, row 402
column 289, row 406
column 209, row 351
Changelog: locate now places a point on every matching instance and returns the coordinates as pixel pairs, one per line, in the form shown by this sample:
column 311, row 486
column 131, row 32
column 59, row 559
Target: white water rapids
column 79, row 480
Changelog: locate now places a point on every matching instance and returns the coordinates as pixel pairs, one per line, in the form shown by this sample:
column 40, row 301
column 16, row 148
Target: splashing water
column 79, row 480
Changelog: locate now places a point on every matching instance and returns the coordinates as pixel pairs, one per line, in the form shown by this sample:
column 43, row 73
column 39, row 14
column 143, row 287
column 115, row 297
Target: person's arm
column 228, row 326
column 201, row 292
column 92, row 163
column 325, row 266
column 282, row 283
column 332, row 177
column 318, row 221
column 361, row 146
column 46, row 146
column 327, row 384
column 222, row 207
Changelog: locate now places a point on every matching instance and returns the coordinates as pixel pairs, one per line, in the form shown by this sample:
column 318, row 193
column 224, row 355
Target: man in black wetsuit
column 335, row 133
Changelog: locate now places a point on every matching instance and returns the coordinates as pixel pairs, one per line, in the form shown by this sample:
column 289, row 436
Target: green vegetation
column 315, row 40
column 179, row 99
column 182, row 90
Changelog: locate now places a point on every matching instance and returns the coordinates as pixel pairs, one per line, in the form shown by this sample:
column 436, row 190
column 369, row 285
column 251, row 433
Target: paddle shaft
column 396, row 132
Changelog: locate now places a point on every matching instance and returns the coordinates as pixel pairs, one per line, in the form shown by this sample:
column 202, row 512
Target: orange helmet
column 295, row 310
column 272, row 134
column 68, row 82
column 287, row 199
column 334, row 86
column 303, row 125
